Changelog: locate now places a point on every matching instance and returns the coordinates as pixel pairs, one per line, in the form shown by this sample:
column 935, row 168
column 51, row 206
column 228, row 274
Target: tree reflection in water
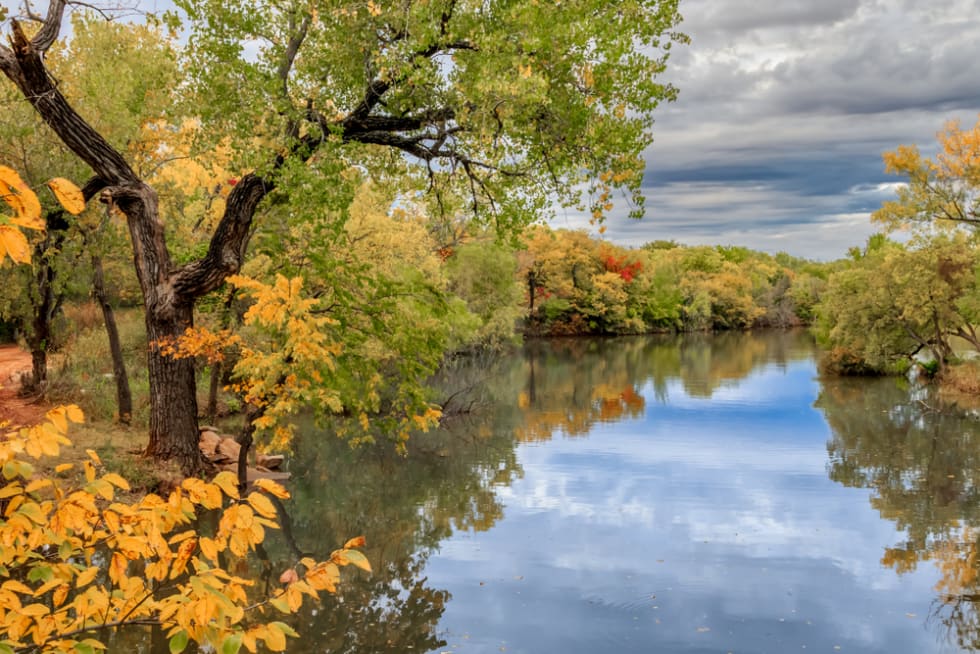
column 449, row 481
column 922, row 465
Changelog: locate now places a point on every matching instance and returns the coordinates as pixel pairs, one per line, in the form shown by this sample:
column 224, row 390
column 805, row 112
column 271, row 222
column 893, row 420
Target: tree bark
column 47, row 301
column 173, row 394
column 124, row 397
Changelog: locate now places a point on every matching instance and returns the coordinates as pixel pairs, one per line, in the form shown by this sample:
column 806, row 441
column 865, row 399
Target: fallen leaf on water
column 701, row 630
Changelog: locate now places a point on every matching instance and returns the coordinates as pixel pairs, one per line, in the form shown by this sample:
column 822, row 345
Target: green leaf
column 84, row 648
column 232, row 644
column 6, row 649
column 178, row 642
column 40, row 573
column 286, row 629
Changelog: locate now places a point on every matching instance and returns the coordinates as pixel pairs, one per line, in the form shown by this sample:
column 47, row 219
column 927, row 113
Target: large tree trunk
column 124, row 397
column 173, row 394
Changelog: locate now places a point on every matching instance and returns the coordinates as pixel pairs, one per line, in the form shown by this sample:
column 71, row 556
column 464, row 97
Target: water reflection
column 571, row 384
column 922, row 463
column 648, row 494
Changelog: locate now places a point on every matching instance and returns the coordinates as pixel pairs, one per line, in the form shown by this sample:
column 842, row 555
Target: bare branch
column 292, row 49
column 51, row 27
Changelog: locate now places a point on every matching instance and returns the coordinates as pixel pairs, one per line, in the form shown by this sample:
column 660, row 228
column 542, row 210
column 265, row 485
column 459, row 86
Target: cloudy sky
column 785, row 109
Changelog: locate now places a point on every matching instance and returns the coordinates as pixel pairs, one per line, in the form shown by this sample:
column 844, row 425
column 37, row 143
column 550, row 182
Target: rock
column 252, row 474
column 209, row 443
column 228, row 450
column 270, row 461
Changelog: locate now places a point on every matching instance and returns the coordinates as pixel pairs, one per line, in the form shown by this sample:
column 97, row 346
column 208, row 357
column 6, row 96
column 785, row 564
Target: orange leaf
column 20, row 197
column 69, row 195
column 14, row 244
column 355, row 542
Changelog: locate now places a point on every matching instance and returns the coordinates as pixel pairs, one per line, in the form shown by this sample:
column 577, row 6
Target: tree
column 56, row 536
column 896, row 301
column 139, row 92
column 517, row 103
column 944, row 191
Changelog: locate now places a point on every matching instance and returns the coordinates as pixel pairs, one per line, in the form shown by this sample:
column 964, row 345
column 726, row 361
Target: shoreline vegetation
column 556, row 283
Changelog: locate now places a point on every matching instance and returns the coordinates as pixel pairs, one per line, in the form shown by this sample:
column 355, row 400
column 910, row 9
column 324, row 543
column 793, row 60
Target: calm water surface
column 689, row 494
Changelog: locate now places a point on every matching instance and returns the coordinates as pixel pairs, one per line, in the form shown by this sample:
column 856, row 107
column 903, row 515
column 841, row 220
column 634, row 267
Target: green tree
column 515, row 103
column 896, row 301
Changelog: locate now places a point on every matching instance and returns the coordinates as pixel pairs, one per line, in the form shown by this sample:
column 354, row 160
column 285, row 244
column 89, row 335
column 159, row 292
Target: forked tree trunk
column 170, row 291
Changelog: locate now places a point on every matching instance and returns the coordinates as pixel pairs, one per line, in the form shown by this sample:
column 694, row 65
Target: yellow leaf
column 69, row 195
column 227, row 482
column 63, row 467
column 37, row 484
column 60, row 594
column 352, row 557
column 209, row 548
column 92, row 455
column 13, row 244
column 74, row 413
column 17, row 587
column 116, row 480
column 117, row 567
column 272, row 488
column 262, row 505
column 34, row 610
column 355, row 542
column 324, row 577
column 275, row 639
column 86, row 577
column 19, row 196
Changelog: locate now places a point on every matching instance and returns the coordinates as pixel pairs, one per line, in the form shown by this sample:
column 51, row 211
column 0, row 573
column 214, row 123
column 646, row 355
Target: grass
column 82, row 373
column 119, row 449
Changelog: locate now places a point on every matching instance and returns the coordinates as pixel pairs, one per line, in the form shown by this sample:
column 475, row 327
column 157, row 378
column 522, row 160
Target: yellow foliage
column 160, row 569
column 13, row 244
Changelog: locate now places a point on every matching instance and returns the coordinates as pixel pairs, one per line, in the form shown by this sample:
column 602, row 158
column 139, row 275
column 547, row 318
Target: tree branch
column 34, row 82
column 51, row 26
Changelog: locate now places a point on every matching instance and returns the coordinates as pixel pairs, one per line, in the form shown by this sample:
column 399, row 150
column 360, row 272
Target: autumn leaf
column 272, row 488
column 354, row 543
column 21, row 198
column 13, row 244
column 69, row 195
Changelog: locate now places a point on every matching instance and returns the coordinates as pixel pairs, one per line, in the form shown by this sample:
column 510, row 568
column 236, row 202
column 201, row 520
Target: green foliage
column 586, row 285
column 484, row 275
column 528, row 103
column 84, row 371
column 896, row 301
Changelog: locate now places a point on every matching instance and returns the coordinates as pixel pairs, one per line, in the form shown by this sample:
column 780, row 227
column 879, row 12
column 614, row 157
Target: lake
column 695, row 493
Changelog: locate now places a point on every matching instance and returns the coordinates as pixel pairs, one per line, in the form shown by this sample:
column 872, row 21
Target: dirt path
column 13, row 409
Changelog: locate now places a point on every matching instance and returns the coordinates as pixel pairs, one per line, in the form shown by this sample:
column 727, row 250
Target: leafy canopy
column 513, row 104
column 76, row 560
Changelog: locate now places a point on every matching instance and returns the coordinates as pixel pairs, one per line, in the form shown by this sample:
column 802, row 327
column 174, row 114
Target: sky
column 785, row 109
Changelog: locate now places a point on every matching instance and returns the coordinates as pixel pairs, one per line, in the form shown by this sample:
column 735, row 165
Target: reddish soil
column 13, row 409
